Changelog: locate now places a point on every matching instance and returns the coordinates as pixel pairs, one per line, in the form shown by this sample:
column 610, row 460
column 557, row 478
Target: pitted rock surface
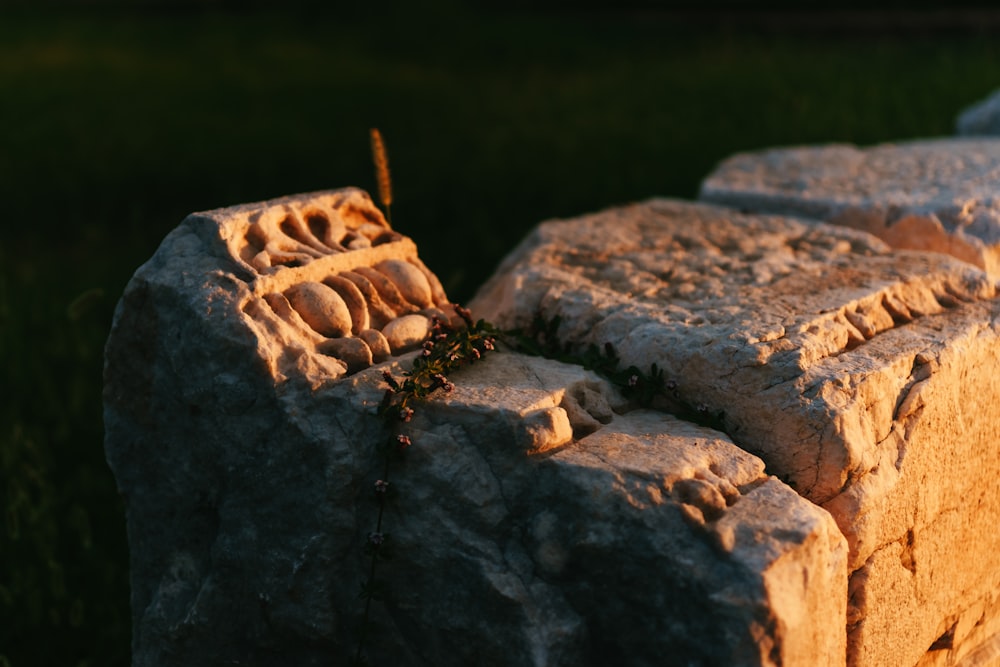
column 865, row 377
column 938, row 194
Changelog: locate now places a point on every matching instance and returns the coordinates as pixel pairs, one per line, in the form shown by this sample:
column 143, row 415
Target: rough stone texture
column 864, row 377
column 320, row 279
column 640, row 538
column 982, row 118
column 535, row 520
column 939, row 194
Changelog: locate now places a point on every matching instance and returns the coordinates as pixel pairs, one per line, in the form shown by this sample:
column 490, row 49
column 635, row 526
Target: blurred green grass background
column 116, row 123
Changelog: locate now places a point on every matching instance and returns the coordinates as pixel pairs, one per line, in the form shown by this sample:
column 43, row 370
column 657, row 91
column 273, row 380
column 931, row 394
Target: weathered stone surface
column 535, row 520
column 776, row 599
column 307, row 272
column 938, row 194
column 609, row 532
column 981, row 118
column 866, row 378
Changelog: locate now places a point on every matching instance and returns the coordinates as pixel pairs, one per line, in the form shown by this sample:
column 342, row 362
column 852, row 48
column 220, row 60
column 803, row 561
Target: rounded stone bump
column 407, row 332
column 546, row 429
column 354, row 300
column 321, row 308
column 437, row 290
column 387, row 290
column 359, row 242
column 377, row 343
column 409, row 280
column 379, row 314
column 261, row 261
column 446, row 314
column 354, row 352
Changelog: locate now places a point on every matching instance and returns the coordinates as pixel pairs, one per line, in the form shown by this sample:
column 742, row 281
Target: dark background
column 118, row 119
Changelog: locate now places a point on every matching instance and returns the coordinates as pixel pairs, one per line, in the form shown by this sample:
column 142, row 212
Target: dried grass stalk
column 382, row 171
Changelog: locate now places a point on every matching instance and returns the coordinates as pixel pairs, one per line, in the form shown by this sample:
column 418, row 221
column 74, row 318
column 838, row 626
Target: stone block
column 864, row 377
column 939, row 195
column 536, row 520
column 981, row 118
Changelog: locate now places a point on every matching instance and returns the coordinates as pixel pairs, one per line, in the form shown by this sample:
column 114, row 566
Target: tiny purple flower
column 381, row 486
column 376, row 539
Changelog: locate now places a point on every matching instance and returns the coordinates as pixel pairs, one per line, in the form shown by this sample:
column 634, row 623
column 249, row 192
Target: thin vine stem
column 451, row 346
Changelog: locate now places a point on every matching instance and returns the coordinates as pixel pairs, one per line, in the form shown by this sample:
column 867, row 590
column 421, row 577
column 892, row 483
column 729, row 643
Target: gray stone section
column 866, row 378
column 536, row 520
column 938, row 194
column 981, row 118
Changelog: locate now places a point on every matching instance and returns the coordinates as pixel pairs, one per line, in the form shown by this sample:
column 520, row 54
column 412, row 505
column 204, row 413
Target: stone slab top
column 931, row 194
column 780, row 327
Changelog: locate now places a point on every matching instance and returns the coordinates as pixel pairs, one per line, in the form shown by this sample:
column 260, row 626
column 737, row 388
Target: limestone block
column 536, row 520
column 307, row 272
column 647, row 537
column 747, row 572
column 981, row 118
column 864, row 377
column 938, row 194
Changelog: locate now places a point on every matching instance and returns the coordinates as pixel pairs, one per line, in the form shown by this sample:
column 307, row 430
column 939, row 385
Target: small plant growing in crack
column 453, row 345
column 450, row 347
column 643, row 387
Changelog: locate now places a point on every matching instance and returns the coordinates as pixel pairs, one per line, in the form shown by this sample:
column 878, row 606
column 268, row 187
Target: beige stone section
column 939, row 194
column 297, row 267
column 866, row 378
column 793, row 547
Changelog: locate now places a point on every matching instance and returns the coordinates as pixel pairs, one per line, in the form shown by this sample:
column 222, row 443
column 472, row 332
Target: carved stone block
column 323, row 276
column 536, row 519
column 866, row 378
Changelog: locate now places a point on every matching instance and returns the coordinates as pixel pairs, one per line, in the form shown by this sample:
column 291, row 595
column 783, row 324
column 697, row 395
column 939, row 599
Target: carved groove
column 363, row 316
column 344, row 283
column 865, row 320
